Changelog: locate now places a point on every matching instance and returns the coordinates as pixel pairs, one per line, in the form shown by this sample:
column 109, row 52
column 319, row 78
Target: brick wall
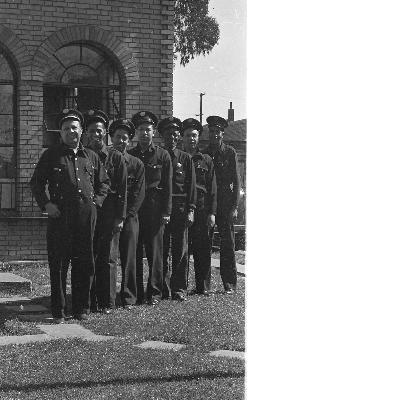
column 23, row 239
column 136, row 35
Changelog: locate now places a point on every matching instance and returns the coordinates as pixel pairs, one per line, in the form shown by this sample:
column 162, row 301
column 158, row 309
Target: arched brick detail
column 17, row 51
column 120, row 54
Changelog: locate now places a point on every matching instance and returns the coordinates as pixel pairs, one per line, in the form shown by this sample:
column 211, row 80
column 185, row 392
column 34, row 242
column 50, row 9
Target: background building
column 116, row 55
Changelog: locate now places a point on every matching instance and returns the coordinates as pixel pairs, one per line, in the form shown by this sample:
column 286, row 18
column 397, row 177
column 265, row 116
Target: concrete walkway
column 24, row 311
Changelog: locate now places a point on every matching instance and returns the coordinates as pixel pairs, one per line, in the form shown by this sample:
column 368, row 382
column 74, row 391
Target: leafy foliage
column 195, row 32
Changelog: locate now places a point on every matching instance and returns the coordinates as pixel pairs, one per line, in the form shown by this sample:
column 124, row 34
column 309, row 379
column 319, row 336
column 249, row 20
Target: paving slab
column 27, row 308
column 228, row 353
column 14, row 299
column 15, row 284
column 63, row 331
column 241, row 270
column 6, row 340
column 161, row 345
column 35, row 317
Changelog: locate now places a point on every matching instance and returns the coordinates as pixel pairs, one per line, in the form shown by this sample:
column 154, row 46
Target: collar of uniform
column 65, row 147
column 198, row 154
column 104, row 149
column 175, row 151
column 150, row 148
column 126, row 156
column 222, row 147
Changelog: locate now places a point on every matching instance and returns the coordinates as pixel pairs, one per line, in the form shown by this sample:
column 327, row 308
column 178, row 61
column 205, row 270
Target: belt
column 76, row 198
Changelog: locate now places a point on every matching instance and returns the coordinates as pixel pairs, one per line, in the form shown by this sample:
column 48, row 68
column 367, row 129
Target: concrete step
column 14, row 284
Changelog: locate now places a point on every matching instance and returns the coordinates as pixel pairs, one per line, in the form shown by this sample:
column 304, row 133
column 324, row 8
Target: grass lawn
column 76, row 369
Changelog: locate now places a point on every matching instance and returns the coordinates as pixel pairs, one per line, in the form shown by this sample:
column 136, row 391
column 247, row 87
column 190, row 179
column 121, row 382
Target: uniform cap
column 96, row 116
column 214, row 120
column 192, row 123
column 124, row 123
column 69, row 113
column 168, row 122
column 144, row 116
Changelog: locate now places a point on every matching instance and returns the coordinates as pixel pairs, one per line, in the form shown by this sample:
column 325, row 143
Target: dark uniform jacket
column 69, row 175
column 136, row 184
column 227, row 175
column 184, row 178
column 205, row 182
column 158, row 173
column 114, row 164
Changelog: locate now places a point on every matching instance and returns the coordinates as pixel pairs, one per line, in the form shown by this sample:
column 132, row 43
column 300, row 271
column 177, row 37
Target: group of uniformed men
column 101, row 201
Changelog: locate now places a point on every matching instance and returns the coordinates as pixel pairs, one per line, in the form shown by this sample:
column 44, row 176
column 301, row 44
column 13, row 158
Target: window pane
column 53, row 71
column 108, row 74
column 80, row 74
column 91, row 57
column 69, row 55
column 6, row 129
column 7, row 162
column 6, row 99
column 5, row 70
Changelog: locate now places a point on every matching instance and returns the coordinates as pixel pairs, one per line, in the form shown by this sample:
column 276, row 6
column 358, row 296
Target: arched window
column 7, row 132
column 80, row 76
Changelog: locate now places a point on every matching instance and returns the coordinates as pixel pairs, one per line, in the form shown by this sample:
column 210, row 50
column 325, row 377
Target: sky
column 221, row 75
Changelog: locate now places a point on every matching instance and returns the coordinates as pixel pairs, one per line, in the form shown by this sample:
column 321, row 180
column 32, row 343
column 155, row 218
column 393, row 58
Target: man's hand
column 211, row 221
column 190, row 218
column 233, row 215
column 165, row 219
column 52, row 210
column 118, row 225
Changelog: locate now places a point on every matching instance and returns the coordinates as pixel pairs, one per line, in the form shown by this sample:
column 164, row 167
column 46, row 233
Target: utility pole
column 201, row 108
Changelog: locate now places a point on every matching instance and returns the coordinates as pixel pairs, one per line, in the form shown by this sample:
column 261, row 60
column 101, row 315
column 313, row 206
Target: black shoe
column 179, row 297
column 81, row 317
column 128, row 307
column 153, row 302
column 107, row 310
column 229, row 291
column 205, row 293
column 59, row 320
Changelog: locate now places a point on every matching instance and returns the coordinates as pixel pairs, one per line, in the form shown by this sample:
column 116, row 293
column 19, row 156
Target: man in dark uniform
column 122, row 132
column 77, row 184
column 183, row 205
column 155, row 211
column 200, row 233
column 111, row 217
column 228, row 191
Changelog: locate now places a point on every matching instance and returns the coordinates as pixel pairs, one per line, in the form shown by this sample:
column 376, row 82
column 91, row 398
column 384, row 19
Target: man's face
column 215, row 135
column 120, row 139
column 96, row 132
column 145, row 133
column 171, row 136
column 71, row 132
column 190, row 139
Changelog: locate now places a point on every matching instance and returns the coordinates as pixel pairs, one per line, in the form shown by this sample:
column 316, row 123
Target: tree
column 195, row 32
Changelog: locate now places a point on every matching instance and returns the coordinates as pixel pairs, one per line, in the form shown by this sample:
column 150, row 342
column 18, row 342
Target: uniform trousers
column 104, row 288
column 70, row 239
column 201, row 248
column 128, row 238
column 151, row 236
column 176, row 239
column 227, row 251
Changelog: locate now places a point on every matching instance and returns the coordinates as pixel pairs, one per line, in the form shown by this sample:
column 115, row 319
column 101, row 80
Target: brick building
column 116, row 55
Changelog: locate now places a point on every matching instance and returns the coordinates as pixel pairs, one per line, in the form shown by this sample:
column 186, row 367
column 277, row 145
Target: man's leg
column 127, row 247
column 167, row 267
column 179, row 250
column 201, row 251
column 82, row 262
column 106, row 258
column 227, row 252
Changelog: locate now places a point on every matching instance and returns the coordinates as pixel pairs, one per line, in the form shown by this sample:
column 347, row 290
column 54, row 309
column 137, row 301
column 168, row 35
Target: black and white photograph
column 123, row 199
